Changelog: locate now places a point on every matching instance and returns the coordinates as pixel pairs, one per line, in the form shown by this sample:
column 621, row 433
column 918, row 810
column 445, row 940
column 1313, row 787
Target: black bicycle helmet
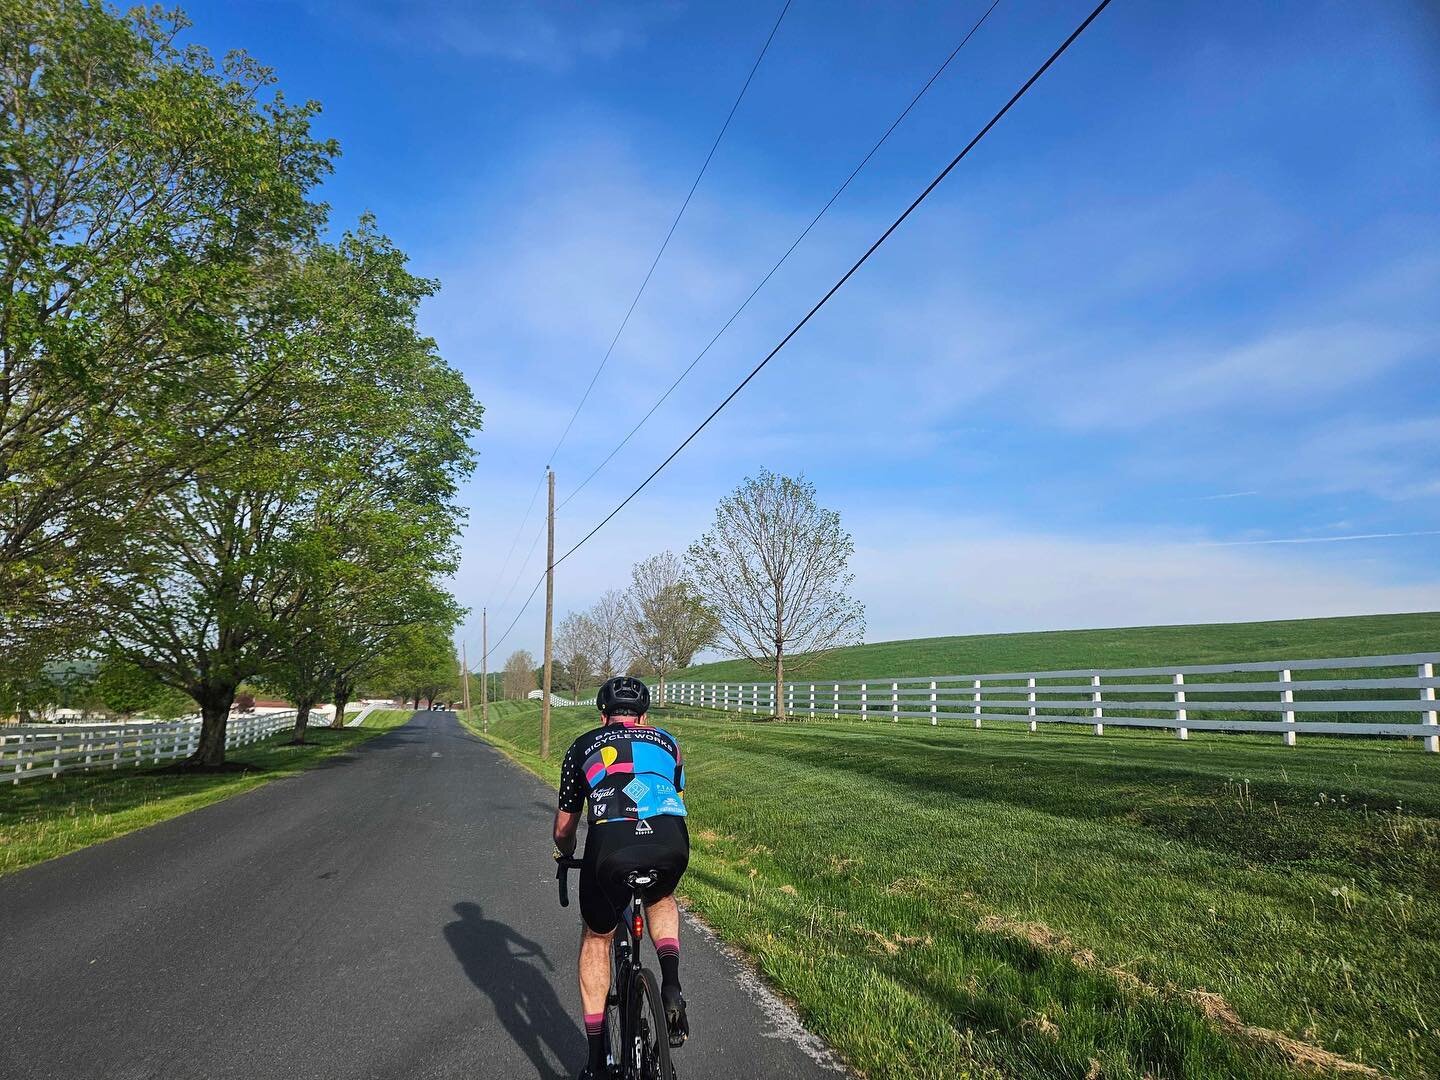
column 623, row 695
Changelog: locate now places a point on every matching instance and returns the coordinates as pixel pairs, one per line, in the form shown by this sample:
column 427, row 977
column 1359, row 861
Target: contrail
column 1320, row 539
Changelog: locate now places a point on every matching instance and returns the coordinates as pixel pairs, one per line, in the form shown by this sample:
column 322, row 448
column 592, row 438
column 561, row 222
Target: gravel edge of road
column 776, row 1006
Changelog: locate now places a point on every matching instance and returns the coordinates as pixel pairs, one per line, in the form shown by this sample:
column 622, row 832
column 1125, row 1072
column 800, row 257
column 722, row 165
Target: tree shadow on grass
column 525, row 1002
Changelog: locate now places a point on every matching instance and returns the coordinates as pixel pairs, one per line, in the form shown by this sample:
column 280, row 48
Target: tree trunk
column 215, row 702
column 780, row 683
column 342, row 698
column 302, row 720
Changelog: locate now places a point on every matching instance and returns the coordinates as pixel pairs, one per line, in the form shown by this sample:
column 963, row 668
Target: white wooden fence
column 1365, row 695
column 30, row 752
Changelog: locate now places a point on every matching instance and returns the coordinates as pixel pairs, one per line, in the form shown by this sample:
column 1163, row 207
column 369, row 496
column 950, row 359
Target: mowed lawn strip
column 1126, row 647
column 41, row 819
column 944, row 902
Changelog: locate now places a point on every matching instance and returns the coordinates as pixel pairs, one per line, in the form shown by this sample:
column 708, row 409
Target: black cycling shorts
column 614, row 849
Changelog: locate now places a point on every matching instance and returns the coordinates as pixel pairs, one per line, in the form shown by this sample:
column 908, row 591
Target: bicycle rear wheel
column 647, row 1049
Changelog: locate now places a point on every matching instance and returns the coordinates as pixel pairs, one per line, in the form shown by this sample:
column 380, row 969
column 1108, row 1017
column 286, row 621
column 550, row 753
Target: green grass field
column 41, row 819
column 951, row 902
column 1141, row 646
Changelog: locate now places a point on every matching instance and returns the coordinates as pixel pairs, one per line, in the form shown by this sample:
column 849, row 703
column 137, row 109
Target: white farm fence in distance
column 1365, row 695
column 32, row 752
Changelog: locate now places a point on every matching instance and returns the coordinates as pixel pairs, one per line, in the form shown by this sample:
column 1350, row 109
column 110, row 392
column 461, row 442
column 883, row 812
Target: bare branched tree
column 666, row 624
column 773, row 569
column 572, row 651
column 519, row 678
column 606, row 623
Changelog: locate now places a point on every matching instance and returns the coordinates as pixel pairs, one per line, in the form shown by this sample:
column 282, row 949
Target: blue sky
column 1177, row 311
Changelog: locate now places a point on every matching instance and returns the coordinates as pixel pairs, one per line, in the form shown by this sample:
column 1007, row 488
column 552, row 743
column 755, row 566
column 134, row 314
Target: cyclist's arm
column 572, row 800
column 567, row 822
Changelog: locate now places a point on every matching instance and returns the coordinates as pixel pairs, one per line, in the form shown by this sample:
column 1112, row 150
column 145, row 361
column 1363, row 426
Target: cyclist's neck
column 626, row 721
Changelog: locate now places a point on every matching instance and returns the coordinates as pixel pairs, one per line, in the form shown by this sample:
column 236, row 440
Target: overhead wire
column 673, row 225
column 1034, row 78
column 781, row 261
column 910, row 209
column 624, row 322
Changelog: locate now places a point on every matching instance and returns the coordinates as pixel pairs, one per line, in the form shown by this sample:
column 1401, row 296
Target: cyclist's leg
column 663, row 915
column 600, row 915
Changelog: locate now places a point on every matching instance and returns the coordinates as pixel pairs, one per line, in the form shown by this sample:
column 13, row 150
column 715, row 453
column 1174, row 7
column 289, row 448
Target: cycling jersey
column 628, row 771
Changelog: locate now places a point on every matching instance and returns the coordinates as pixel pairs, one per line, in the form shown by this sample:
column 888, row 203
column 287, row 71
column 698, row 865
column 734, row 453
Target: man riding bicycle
column 634, row 778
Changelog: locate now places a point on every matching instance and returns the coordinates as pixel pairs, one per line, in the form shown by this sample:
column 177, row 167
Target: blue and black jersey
column 628, row 771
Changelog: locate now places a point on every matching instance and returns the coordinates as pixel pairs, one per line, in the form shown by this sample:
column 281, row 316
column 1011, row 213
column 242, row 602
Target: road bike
column 637, row 1039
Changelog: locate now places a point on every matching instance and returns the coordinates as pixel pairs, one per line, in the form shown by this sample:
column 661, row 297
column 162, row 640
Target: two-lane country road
column 390, row 914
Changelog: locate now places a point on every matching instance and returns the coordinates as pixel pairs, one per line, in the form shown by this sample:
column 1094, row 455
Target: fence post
column 1432, row 742
column 837, row 701
column 1095, row 697
column 789, row 698
column 59, row 747
column 934, row 720
column 864, row 701
column 812, row 699
column 976, row 699
column 1030, row 697
column 1181, row 715
column 19, row 758
column 894, row 702
column 1287, row 696
column 755, row 699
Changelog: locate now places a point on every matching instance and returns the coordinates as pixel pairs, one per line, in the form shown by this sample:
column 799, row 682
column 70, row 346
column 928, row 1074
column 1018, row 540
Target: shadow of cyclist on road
column 525, row 1002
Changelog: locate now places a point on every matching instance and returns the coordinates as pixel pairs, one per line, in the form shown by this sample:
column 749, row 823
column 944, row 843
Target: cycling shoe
column 675, row 1019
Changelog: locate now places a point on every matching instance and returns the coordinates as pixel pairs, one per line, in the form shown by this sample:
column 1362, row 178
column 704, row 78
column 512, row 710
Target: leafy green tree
column 379, row 585
column 212, row 580
column 421, row 666
column 145, row 194
column 127, row 690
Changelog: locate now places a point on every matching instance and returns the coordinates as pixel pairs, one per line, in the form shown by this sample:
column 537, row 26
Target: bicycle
column 636, row 1037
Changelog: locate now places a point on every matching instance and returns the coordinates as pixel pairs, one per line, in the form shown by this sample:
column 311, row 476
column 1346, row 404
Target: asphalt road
column 389, row 914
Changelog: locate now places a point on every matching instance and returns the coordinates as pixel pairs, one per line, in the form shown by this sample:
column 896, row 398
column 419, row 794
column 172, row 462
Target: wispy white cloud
column 549, row 35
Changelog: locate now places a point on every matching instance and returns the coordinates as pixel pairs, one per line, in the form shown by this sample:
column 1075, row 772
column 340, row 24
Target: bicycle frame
column 625, row 969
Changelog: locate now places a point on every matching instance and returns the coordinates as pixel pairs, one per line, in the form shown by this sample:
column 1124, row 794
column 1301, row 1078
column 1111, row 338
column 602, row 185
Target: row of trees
column 226, row 452
column 768, row 582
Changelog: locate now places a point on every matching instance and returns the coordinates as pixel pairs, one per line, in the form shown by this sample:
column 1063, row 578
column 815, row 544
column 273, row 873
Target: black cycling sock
column 668, row 950
column 595, row 1036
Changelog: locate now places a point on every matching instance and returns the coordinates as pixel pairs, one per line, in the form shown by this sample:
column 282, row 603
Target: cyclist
column 634, row 778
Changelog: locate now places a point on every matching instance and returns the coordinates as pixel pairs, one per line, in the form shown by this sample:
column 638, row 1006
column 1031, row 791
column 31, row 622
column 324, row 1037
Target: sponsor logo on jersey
column 642, row 828
column 637, row 789
column 603, row 793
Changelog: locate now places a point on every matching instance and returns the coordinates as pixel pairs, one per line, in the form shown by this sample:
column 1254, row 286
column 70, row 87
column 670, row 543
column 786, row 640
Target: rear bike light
column 639, row 926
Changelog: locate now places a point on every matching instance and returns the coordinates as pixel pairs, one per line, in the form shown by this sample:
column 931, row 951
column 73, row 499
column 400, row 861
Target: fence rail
column 1262, row 697
column 32, row 752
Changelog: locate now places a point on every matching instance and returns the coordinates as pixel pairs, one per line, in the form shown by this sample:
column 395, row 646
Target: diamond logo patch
column 636, row 789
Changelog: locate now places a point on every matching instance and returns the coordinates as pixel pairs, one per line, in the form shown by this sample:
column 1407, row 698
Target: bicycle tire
column 647, row 1043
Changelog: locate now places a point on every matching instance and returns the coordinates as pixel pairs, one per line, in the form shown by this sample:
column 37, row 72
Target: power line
column 630, row 311
column 788, row 252
column 1034, row 78
column 848, row 273
column 673, row 225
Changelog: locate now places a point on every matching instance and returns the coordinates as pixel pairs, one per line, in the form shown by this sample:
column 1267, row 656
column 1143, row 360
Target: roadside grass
column 950, row 902
column 1136, row 646
column 42, row 819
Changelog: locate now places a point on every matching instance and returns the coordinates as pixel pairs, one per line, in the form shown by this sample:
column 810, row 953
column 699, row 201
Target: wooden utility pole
column 484, row 671
column 549, row 619
column 465, row 680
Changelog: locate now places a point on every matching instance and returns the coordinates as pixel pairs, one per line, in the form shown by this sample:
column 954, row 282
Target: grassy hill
column 1133, row 646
